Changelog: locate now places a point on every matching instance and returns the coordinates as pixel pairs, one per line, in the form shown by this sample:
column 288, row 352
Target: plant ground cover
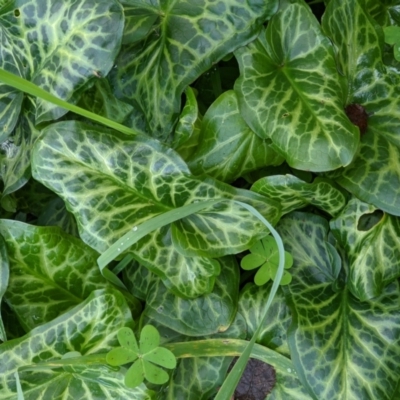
column 155, row 156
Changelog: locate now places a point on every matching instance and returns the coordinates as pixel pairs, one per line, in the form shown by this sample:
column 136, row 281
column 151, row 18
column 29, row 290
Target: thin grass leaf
column 30, row 88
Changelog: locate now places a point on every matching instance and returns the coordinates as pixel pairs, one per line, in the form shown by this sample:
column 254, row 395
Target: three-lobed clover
column 146, row 357
column 265, row 254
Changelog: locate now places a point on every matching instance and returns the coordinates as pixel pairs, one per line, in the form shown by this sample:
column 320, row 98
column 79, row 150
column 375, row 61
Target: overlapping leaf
column 50, row 272
column 10, row 98
column 374, row 174
column 113, row 183
column 88, row 328
column 293, row 193
column 62, row 46
column 205, row 315
column 251, row 306
column 185, row 40
column 373, row 254
column 4, row 277
column 100, row 100
column 227, row 147
column 56, row 214
column 335, row 338
column 289, row 91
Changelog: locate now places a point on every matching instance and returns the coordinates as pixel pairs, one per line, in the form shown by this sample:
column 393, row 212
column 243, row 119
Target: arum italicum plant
column 156, row 144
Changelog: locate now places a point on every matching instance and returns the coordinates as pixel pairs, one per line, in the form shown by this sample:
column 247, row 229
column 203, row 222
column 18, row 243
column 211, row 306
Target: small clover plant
column 146, row 356
column 264, row 254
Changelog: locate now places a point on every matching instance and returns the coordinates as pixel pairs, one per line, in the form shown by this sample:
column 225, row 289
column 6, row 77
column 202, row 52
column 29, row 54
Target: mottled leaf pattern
column 336, row 338
column 56, row 214
column 251, row 306
column 15, row 153
column 185, row 40
column 293, row 193
column 373, row 255
column 289, row 91
column 374, row 174
column 10, row 98
column 112, row 183
column 4, row 277
column 50, row 272
column 61, row 46
column 100, row 100
column 88, row 328
column 205, row 315
column 64, row 44
column 227, row 147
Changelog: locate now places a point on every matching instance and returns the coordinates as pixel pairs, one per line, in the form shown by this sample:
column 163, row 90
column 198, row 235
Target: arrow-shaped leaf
column 289, row 91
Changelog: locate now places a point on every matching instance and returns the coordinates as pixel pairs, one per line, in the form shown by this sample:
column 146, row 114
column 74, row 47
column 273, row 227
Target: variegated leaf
column 10, row 98
column 373, row 252
column 374, row 174
column 293, row 193
column 15, row 153
column 227, row 148
column 251, row 306
column 185, row 40
column 64, row 45
column 289, row 91
column 112, row 183
column 50, row 272
column 56, row 214
column 206, row 315
column 89, row 328
column 4, row 278
column 354, row 345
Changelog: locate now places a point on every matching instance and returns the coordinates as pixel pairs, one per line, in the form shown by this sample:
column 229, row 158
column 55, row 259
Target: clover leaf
column 264, row 254
column 392, row 37
column 145, row 357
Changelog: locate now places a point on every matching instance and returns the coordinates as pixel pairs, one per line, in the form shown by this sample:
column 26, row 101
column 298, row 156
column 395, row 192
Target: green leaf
column 4, row 277
column 197, row 378
column 56, row 214
column 137, row 279
column 100, row 100
column 188, row 121
column 161, row 356
column 251, row 261
column 149, row 339
column 135, row 375
column 147, row 353
column 392, row 34
column 70, row 49
column 86, row 329
column 377, row 163
column 227, row 146
column 373, row 255
column 138, row 21
column 334, row 337
column 15, row 153
column 139, row 179
column 293, row 193
column 154, row 374
column 289, row 91
column 55, row 270
column 127, row 339
column 121, row 356
column 11, row 99
column 186, row 40
column 204, row 315
column 357, row 43
column 273, row 333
